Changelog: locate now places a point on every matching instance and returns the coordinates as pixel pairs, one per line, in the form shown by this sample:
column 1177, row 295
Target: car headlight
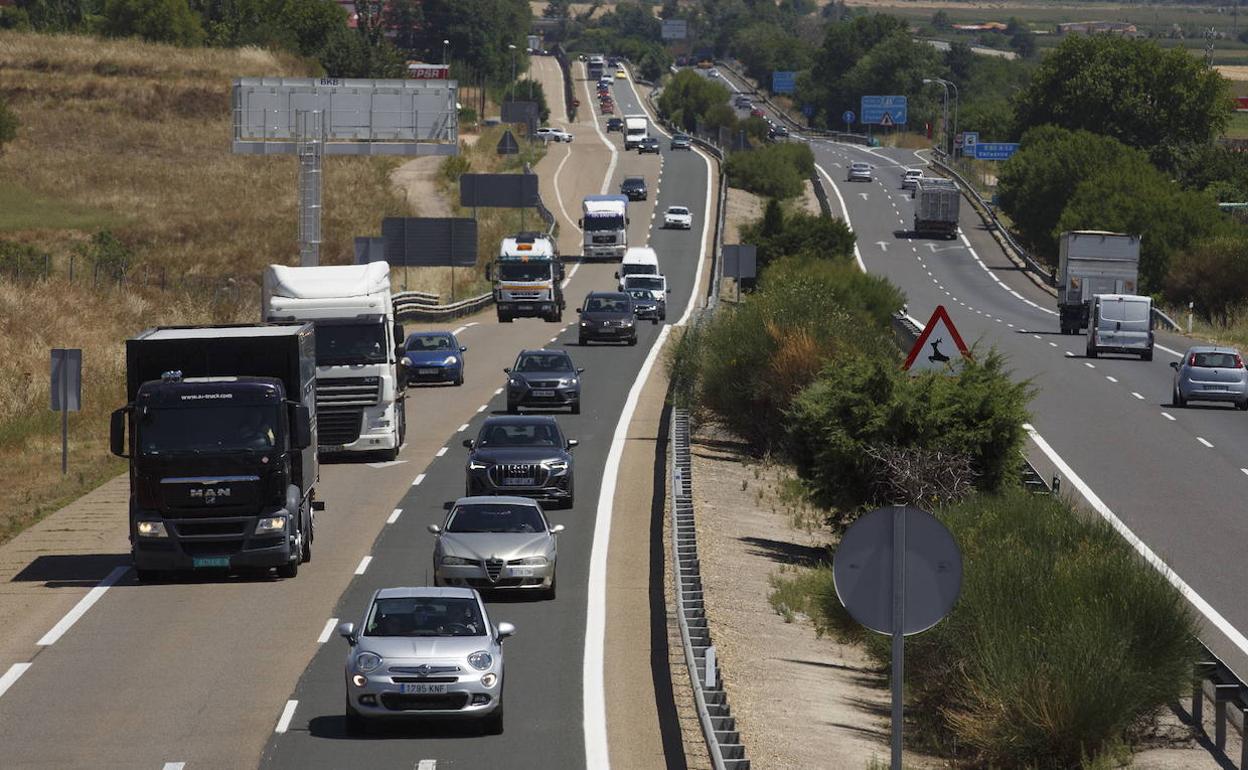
column 151, row 529
column 477, row 465
column 584, row 323
column 556, row 465
column 481, row 660
column 489, row 680
column 628, row 322
column 270, row 524
column 450, row 361
column 531, row 561
column 367, row 661
column 513, row 382
column 455, row 561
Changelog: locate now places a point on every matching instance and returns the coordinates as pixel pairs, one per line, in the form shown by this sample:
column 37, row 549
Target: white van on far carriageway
column 638, row 260
column 1120, row 323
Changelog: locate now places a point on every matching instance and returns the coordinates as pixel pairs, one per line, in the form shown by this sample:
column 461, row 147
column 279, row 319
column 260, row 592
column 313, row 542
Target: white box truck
column 636, row 128
column 1092, row 262
column 604, row 226
column 359, row 383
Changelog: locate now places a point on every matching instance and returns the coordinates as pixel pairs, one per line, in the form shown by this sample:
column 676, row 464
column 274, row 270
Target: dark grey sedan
column 543, row 378
column 526, row 456
column 608, row 316
column 1209, row 373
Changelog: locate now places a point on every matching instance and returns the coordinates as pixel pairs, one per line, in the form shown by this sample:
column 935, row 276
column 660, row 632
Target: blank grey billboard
column 507, row 191
column 427, row 242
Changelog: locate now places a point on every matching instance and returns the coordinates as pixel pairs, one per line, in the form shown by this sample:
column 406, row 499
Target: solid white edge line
column 327, row 631
column 12, row 675
column 440, row 452
column 363, row 565
column 845, row 215
column 594, row 693
column 1202, row 606
column 419, row 478
column 460, row 330
column 288, row 713
column 1174, row 353
column 394, row 515
column 559, row 196
column 80, row 609
column 702, row 247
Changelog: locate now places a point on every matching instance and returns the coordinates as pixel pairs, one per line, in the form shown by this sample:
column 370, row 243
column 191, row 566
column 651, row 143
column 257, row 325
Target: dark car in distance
column 607, row 316
column 615, row 124
column 434, row 357
column 543, row 378
column 649, row 144
column 681, row 142
column 527, row 455
column 634, row 188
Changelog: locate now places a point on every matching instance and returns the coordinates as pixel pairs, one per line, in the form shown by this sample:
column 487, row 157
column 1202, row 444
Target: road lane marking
column 1089, row 364
column 419, row 478
column 327, row 631
column 844, row 215
column 462, row 428
column 440, row 452
column 1202, row 606
column 1111, row 379
column 1137, row 395
column 80, row 609
column 1204, row 441
column 482, row 408
column 288, row 713
column 1241, row 470
column 459, row 331
column 427, row 764
column 615, row 154
column 1051, row 344
column 394, row 515
column 363, row 565
column 12, row 675
column 1037, row 336
column 174, row 766
column 1167, row 415
column 1174, row 353
column 498, row 392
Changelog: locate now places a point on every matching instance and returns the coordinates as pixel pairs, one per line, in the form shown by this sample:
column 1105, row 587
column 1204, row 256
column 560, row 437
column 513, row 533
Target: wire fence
column 100, row 275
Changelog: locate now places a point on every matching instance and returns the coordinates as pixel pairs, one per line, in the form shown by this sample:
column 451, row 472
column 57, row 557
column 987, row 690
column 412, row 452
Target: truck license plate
column 209, row 562
column 419, row 688
column 544, row 393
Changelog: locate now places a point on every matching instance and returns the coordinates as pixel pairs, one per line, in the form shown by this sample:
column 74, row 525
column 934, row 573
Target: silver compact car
column 496, row 543
column 425, row 652
column 859, row 172
column 1209, row 373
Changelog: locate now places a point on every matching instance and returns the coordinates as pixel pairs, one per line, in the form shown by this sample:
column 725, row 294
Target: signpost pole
column 65, row 414
column 899, row 635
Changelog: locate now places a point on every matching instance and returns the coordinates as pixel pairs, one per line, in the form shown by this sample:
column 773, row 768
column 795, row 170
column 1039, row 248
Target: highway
column 234, row 673
column 1169, row 475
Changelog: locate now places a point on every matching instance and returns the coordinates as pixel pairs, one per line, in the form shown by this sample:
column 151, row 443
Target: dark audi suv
column 543, row 378
column 634, row 187
column 526, row 455
column 608, row 316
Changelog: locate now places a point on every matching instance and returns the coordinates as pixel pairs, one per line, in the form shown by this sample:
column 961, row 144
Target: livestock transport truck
column 528, row 277
column 936, row 207
column 360, row 385
column 220, row 430
column 604, row 225
column 1092, row 262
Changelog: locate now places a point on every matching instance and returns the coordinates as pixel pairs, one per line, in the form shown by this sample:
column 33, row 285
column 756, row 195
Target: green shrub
column 527, row 90
column 858, row 405
column 778, row 235
column 161, row 21
column 454, row 167
column 1214, row 275
column 687, row 98
column 776, row 170
column 111, row 257
column 1062, row 641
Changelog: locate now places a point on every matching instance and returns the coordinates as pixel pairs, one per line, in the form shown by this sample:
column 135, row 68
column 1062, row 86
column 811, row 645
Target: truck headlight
column 455, row 561
column 151, row 529
column 367, row 661
column 450, row 361
column 480, row 660
column 270, row 524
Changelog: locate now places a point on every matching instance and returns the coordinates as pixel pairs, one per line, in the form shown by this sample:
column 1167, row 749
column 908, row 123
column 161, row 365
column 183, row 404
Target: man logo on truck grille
column 210, row 494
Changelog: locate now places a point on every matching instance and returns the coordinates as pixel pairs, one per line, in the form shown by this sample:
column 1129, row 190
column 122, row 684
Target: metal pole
column 65, row 414
column 945, row 140
column 956, row 99
column 899, row 636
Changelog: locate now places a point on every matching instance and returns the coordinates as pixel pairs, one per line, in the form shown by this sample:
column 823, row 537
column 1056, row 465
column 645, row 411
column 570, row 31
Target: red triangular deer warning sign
column 936, row 347
column 886, row 120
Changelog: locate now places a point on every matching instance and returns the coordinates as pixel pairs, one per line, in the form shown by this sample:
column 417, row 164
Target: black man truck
column 220, row 431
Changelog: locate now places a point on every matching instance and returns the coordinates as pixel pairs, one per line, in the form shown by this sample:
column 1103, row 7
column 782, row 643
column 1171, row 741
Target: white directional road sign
column 939, row 348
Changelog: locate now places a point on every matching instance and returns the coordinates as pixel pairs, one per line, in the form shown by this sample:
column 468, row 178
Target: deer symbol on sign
column 937, row 356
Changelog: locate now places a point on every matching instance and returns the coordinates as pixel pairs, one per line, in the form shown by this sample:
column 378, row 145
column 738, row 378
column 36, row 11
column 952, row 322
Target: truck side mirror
column 300, row 427
column 399, row 336
column 117, row 432
column 580, row 223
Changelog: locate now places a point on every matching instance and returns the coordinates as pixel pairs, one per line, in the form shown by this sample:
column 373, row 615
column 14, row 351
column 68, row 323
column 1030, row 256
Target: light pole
column 445, row 44
column 512, row 89
column 945, row 139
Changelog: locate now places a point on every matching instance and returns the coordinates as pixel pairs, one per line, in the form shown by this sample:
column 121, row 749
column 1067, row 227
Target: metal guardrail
column 719, row 727
column 565, row 65
column 791, row 123
column 825, row 205
column 415, row 304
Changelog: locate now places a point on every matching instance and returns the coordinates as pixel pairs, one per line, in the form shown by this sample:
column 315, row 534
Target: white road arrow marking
column 883, row 245
column 864, row 195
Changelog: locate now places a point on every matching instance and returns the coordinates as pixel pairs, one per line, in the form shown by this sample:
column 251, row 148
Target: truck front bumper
column 231, row 543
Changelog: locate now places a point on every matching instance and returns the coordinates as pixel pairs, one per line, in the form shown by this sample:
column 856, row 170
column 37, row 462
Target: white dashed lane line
column 327, row 631
column 394, row 515
column 173, row 766
column 440, row 452
column 1204, row 441
column 1137, row 395
column 362, row 567
column 462, row 428
column 482, row 408
column 1111, row 379
column 288, row 713
column 1167, row 415
column 1089, row 364
column 498, row 392
column 12, row 675
column 419, row 478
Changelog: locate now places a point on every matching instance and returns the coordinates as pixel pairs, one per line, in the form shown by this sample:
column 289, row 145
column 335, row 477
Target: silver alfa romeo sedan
column 498, row 542
column 425, row 652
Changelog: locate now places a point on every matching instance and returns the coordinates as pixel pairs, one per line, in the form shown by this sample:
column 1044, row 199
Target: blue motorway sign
column 783, row 82
column 848, row 116
column 884, row 110
column 995, row 150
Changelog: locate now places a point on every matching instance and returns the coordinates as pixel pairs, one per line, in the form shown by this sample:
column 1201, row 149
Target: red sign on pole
column 418, row 71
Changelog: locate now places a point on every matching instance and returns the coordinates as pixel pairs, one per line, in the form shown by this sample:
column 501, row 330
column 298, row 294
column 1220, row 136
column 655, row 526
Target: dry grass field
column 135, row 138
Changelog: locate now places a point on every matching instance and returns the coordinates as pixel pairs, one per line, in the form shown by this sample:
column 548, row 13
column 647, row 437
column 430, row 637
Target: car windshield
column 634, row 182
column 606, row 305
column 544, row 362
column 644, row 282
column 363, row 343
column 1214, row 360
column 860, row 167
column 680, row 210
column 539, row 434
column 429, row 342
column 1124, row 311
column 208, row 429
column 496, row 517
column 425, row 616
column 524, row 271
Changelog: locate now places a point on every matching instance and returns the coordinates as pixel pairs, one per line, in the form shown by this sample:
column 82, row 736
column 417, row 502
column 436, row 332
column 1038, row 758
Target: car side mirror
column 399, row 336
column 463, row 348
column 301, row 427
column 617, row 276
column 573, row 443
column 505, row 630
column 580, row 370
column 448, row 505
column 117, row 432
column 579, row 311
column 347, row 631
column 1173, row 365
column 556, row 529
column 468, row 443
column 434, row 528
column 506, row 370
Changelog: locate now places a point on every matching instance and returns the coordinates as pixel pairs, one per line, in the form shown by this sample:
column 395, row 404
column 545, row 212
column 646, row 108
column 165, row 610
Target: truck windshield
column 363, row 343
column 208, row 429
column 524, row 271
column 598, row 222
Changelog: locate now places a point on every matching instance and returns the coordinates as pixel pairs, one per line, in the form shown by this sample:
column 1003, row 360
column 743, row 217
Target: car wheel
column 512, row 408
column 288, row 570
column 576, row 407
column 460, row 379
column 1147, row 355
column 356, row 724
column 493, row 724
column 504, row 319
column 306, row 555
column 1176, row 398
column 549, row 594
column 632, row 341
column 582, row 341
column 1243, row 405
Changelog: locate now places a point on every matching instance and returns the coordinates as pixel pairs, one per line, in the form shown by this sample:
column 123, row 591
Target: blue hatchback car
column 434, row 357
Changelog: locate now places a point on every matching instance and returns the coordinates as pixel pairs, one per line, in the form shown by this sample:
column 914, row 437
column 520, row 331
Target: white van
column 1120, row 323
column 638, row 260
